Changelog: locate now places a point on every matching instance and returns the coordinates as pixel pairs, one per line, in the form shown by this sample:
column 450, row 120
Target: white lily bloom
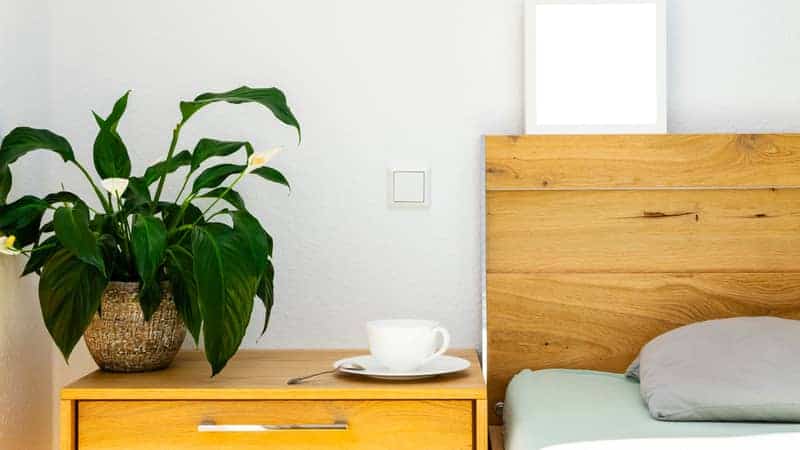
column 260, row 159
column 116, row 186
column 7, row 245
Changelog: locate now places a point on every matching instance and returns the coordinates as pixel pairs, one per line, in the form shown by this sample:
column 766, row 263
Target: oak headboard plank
column 597, row 244
column 643, row 231
column 642, row 161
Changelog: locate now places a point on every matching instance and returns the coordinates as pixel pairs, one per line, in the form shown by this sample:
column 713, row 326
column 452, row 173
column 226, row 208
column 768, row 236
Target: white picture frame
column 595, row 67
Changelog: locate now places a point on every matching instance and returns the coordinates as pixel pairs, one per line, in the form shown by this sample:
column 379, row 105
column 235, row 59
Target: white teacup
column 405, row 345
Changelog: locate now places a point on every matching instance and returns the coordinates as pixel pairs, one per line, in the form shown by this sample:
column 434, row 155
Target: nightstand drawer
column 275, row 424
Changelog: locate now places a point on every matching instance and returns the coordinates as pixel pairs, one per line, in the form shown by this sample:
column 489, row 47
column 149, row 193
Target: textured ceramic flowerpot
column 120, row 340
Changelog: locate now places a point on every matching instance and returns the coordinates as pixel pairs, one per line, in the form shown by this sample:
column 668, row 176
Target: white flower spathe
column 7, row 245
column 116, row 186
column 260, row 159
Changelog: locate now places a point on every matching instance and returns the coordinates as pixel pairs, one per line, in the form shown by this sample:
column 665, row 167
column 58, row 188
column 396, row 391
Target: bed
column 597, row 244
column 549, row 407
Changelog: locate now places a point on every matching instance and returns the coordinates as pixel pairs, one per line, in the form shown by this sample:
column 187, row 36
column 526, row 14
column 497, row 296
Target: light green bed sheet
column 558, row 406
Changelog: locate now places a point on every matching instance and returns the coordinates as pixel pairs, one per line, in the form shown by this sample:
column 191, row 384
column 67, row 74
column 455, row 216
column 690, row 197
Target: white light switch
column 409, row 185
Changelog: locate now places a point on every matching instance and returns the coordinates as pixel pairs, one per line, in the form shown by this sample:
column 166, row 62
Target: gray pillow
column 741, row 369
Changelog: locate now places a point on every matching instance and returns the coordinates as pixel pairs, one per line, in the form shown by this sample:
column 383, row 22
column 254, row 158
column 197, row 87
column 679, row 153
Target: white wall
column 371, row 81
column 733, row 65
column 26, row 387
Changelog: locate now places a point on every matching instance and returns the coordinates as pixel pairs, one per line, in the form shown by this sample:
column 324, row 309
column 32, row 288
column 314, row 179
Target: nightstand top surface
column 262, row 375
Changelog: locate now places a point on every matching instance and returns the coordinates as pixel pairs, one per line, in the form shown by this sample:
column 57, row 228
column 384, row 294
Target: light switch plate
column 408, row 185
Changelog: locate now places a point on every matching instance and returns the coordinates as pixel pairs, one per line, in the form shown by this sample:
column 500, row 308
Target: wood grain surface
column 67, row 438
column 644, row 231
column 600, row 321
column 258, row 374
column 397, row 425
column 597, row 244
column 162, row 409
column 642, row 161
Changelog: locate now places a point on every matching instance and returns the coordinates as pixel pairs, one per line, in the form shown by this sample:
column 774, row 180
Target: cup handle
column 445, row 344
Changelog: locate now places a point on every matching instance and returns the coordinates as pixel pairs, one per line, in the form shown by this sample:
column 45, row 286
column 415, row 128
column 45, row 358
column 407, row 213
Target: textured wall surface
column 26, row 387
column 370, row 82
column 26, row 380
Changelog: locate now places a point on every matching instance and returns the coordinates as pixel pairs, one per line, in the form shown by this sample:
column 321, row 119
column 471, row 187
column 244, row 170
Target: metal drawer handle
column 209, row 426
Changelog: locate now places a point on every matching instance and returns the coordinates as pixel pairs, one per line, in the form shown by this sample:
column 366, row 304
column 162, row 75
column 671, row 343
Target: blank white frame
column 561, row 86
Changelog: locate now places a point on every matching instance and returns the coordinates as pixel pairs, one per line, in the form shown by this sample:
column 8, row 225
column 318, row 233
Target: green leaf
column 137, row 193
column 226, row 287
column 208, row 148
column 214, row 176
column 64, row 197
column 229, row 196
column 116, row 264
column 111, row 158
column 271, row 98
column 257, row 241
column 148, row 243
column 48, row 228
column 117, row 111
column 22, row 219
column 69, row 294
column 102, row 223
column 72, row 230
column 259, row 247
column 157, row 170
column 266, row 293
column 171, row 213
column 5, row 183
column 184, row 288
column 41, row 255
column 270, row 174
column 23, row 140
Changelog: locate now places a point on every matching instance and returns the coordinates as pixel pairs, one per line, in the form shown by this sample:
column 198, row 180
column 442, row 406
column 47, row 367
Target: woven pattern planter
column 121, row 341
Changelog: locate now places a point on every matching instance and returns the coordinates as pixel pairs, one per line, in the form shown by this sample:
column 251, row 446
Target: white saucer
column 439, row 366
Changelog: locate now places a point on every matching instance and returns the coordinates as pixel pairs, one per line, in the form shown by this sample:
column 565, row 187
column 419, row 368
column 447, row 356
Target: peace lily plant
column 217, row 259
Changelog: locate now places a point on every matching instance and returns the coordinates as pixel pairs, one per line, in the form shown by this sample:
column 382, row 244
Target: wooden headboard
column 596, row 244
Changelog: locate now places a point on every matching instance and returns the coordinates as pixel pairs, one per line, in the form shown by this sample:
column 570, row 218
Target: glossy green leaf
column 22, row 219
column 23, row 140
column 73, row 232
column 102, row 224
column 111, row 158
column 41, row 254
column 69, row 294
column 226, row 287
column 230, row 196
column 64, row 197
column 137, row 193
column 184, row 288
column 259, row 246
column 5, row 184
column 214, row 176
column 256, row 240
column 266, row 292
column 270, row 174
column 117, row 264
column 208, row 148
column 148, row 243
column 272, row 98
column 157, row 170
column 172, row 217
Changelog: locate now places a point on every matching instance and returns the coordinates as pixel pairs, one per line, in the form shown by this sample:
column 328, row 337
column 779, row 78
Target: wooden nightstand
column 183, row 408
